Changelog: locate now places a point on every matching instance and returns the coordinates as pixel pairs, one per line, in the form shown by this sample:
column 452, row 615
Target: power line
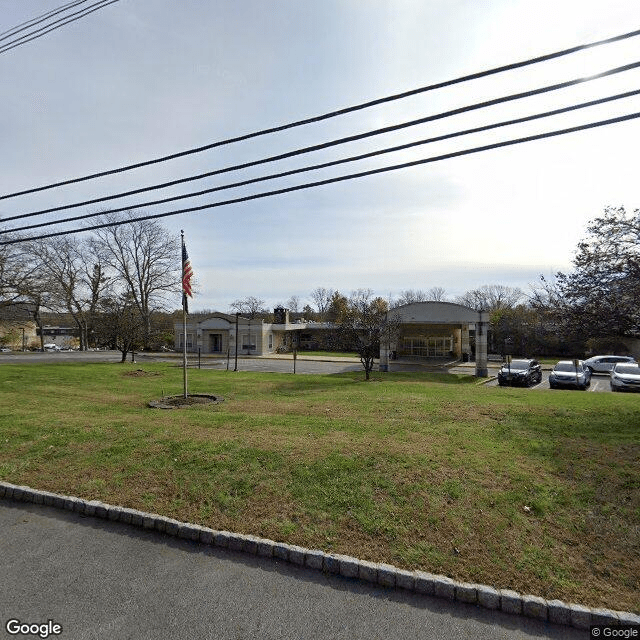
column 352, row 176
column 38, row 19
column 323, row 165
column 332, row 114
column 336, row 142
column 58, row 23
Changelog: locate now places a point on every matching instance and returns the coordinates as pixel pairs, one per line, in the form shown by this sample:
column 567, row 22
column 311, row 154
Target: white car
column 625, row 377
column 51, row 347
column 604, row 364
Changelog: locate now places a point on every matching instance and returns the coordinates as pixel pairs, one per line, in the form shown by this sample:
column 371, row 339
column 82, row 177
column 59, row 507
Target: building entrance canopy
column 438, row 329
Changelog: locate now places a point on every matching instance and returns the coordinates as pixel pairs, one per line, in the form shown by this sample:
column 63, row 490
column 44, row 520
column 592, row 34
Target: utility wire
column 333, row 143
column 325, row 165
column 41, row 32
column 319, row 183
column 38, row 19
column 332, row 114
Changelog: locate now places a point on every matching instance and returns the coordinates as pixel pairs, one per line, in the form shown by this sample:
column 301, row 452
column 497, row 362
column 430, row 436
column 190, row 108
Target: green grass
column 419, row 470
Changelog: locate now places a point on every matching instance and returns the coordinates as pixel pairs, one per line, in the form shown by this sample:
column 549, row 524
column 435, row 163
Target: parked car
column 567, row 375
column 520, row 372
column 604, row 364
column 51, row 347
column 4, row 350
column 625, row 377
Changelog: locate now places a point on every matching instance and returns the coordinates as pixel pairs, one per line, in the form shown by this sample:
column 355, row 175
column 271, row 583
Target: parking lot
column 599, row 382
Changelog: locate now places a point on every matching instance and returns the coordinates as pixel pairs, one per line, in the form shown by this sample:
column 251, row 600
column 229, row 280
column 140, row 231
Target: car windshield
column 628, row 368
column 564, row 366
column 518, row 364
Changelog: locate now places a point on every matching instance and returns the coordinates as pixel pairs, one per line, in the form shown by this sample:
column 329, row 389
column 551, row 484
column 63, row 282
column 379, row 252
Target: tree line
column 110, row 281
column 595, row 307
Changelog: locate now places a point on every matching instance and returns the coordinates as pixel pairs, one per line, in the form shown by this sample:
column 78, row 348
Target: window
column 248, row 341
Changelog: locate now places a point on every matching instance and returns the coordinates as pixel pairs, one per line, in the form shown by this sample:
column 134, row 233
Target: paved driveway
column 101, row 579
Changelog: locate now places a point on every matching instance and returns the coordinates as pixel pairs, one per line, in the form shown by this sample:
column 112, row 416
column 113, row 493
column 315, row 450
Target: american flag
column 187, row 274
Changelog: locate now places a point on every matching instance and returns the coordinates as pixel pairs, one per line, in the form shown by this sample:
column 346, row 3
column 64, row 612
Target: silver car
column 625, row 377
column 604, row 364
column 566, row 374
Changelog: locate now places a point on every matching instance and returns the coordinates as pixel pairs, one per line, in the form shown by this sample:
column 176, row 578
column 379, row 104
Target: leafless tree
column 73, row 278
column 491, row 297
column 249, row 306
column 437, row 294
column 293, row 304
column 322, row 298
column 147, row 260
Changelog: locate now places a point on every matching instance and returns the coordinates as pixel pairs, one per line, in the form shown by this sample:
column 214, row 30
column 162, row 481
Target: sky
column 142, row 79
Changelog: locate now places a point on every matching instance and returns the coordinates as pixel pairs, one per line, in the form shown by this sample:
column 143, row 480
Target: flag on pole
column 187, row 274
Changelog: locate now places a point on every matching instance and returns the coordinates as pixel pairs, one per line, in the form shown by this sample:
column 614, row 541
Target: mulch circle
column 180, row 402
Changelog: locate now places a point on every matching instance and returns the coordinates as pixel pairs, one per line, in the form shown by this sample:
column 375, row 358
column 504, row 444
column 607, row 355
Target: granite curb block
column 386, row 575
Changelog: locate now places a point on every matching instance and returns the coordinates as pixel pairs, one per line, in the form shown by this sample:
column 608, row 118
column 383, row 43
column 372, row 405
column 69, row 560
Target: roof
column 438, row 313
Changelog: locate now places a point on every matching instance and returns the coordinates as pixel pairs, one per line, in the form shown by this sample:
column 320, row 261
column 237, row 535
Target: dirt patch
column 180, row 402
column 140, row 373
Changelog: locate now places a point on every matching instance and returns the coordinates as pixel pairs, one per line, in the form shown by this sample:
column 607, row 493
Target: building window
column 271, row 341
column 248, row 341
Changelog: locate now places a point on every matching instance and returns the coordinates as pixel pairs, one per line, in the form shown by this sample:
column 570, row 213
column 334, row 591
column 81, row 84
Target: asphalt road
column 599, row 382
column 278, row 365
column 101, row 579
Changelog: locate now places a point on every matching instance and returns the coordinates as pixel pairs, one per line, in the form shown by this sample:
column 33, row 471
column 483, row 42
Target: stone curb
column 385, row 575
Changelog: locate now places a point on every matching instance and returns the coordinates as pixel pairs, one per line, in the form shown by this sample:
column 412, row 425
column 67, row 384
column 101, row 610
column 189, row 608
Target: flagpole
column 184, row 318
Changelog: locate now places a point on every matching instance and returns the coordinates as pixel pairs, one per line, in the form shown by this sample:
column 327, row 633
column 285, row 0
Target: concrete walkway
column 102, row 579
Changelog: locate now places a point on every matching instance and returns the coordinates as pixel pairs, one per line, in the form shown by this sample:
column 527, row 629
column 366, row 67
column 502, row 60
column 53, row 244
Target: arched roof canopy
column 438, row 313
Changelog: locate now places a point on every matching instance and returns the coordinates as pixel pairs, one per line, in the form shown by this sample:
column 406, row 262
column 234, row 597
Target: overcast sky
column 145, row 78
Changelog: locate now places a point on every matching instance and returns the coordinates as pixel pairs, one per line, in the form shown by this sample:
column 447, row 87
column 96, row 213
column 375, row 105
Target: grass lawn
column 419, row 470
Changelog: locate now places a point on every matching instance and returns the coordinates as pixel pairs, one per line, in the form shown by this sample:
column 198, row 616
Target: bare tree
column 293, row 304
column 146, row 258
column 322, row 298
column 249, row 306
column 491, row 297
column 409, row 296
column 437, row 294
column 73, row 276
column 363, row 325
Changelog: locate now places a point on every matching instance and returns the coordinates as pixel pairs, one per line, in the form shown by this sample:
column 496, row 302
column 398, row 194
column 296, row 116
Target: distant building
column 219, row 333
column 63, row 337
column 428, row 330
column 17, row 326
